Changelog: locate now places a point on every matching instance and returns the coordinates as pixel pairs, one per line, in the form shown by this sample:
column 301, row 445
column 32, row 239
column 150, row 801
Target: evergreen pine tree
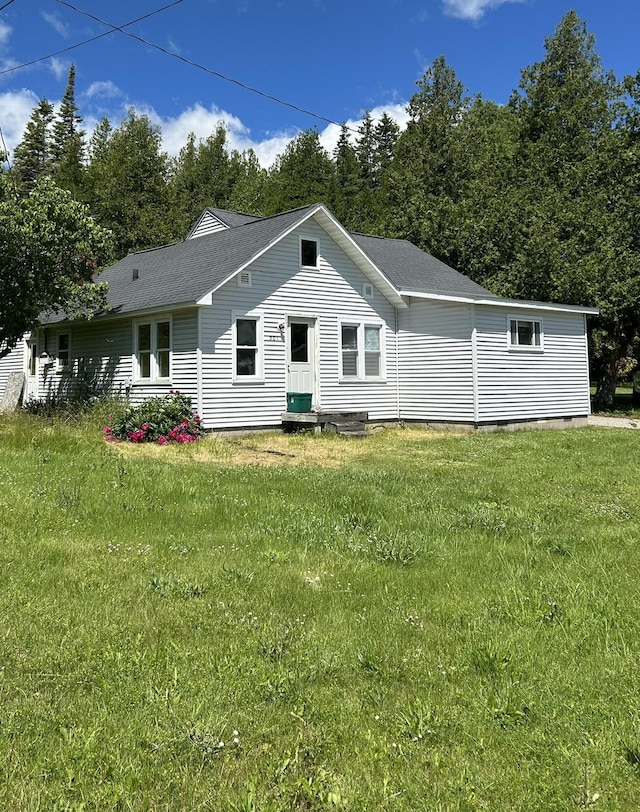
column 68, row 142
column 32, row 156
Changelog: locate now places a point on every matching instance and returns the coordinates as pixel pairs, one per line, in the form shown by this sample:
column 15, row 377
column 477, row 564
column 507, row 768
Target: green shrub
column 163, row 419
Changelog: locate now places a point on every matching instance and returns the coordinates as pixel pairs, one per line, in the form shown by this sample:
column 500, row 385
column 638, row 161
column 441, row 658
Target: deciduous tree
column 50, row 249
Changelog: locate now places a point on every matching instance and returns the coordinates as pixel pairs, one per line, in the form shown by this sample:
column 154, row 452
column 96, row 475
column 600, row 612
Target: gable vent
column 244, row 279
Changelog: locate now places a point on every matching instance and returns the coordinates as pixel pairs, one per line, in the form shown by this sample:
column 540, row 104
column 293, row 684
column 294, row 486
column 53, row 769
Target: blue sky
column 335, row 58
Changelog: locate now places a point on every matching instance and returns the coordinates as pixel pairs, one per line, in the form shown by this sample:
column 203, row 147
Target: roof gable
column 212, row 220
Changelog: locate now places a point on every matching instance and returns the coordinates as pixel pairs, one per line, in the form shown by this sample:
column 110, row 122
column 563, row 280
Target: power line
column 204, row 68
column 2, row 8
column 87, row 41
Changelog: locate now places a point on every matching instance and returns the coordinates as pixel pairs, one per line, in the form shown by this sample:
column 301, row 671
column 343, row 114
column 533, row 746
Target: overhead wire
column 87, row 41
column 201, row 67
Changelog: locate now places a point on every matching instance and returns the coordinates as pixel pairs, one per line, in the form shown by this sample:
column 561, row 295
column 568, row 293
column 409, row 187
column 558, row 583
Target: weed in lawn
column 392, row 548
column 552, row 612
column 211, row 744
column 277, row 641
column 174, row 586
column 420, row 722
column 68, row 496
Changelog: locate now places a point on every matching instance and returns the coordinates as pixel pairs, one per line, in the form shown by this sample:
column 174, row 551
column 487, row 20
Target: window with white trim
column 308, row 253
column 63, row 353
column 525, row 334
column 248, row 342
column 362, row 351
column 153, row 349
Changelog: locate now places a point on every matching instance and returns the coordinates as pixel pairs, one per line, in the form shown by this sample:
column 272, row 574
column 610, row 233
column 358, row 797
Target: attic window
column 244, row 279
column 309, row 253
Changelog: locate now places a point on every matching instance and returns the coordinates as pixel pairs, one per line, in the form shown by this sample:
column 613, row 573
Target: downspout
column 474, row 365
column 397, row 365
column 586, row 361
column 199, row 394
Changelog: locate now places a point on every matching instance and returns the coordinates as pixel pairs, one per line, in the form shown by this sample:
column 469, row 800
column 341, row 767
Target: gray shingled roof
column 411, row 269
column 184, row 272
column 232, row 218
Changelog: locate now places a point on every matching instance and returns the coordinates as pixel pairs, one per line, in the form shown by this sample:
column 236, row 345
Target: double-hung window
column 362, row 351
column 247, row 336
column 525, row 334
column 153, row 349
column 64, row 352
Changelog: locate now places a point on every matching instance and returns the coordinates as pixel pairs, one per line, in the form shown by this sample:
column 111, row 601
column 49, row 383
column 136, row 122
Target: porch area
column 353, row 424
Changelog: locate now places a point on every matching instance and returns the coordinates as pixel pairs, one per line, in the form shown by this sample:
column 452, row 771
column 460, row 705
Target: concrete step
column 351, row 428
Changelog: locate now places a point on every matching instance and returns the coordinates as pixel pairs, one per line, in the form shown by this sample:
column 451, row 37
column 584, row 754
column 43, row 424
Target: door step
column 351, row 428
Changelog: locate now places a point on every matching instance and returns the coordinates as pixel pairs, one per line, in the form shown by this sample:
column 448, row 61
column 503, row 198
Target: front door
column 31, row 389
column 301, row 376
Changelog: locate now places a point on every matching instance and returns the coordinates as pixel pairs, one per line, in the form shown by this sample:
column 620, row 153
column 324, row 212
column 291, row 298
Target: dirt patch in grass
column 277, row 448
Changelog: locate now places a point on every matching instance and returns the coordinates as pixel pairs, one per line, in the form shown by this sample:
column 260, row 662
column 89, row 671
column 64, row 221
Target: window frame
column 537, row 331
column 308, row 240
column 60, row 365
column 154, row 350
column 361, row 326
column 258, row 317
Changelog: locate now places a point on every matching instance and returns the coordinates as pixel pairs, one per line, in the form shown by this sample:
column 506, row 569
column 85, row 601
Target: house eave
column 513, row 304
column 119, row 314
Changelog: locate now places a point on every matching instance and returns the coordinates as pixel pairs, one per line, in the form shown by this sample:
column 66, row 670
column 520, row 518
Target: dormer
column 212, row 220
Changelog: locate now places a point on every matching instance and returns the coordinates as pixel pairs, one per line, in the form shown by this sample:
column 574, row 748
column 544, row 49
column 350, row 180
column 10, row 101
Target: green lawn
column 416, row 621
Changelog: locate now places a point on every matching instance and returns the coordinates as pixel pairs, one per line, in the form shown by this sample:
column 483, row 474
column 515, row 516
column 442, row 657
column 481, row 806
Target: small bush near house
column 162, row 420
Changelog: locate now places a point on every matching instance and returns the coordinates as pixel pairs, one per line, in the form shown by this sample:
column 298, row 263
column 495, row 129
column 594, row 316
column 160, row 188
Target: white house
column 249, row 309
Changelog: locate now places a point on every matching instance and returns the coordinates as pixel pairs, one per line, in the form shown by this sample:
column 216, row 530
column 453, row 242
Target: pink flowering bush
column 162, row 420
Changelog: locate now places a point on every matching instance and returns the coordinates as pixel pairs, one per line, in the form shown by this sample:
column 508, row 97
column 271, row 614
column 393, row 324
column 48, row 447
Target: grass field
column 416, row 621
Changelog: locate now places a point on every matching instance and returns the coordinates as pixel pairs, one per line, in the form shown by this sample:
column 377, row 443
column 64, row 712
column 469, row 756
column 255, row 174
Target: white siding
column 281, row 288
column 530, row 384
column 208, row 224
column 105, row 350
column 15, row 361
column 436, row 367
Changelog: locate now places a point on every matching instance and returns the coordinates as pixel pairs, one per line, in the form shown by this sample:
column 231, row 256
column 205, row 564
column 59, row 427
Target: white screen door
column 301, row 375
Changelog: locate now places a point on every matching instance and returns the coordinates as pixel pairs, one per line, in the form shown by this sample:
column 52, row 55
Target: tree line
column 536, row 199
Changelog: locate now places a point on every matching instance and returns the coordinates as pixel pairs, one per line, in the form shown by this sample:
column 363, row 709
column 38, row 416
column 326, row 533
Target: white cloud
column 5, row 33
column 56, row 23
column 472, row 9
column 103, row 90
column 16, row 111
column 59, row 68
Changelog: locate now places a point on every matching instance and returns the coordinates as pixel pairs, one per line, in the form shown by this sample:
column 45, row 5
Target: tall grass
column 437, row 622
